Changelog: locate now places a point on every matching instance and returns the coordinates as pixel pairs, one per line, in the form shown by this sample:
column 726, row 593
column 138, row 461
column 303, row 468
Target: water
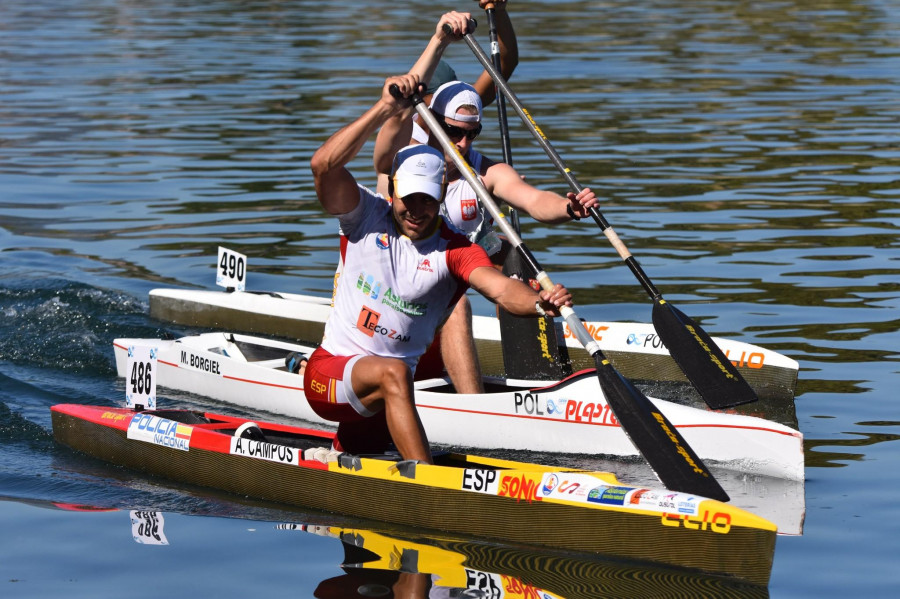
column 747, row 153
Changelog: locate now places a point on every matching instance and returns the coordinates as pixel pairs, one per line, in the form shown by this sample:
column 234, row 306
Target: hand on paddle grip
column 580, row 204
column 401, row 88
column 551, row 301
column 458, row 30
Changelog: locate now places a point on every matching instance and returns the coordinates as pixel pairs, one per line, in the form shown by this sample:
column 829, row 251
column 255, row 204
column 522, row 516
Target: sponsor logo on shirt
column 394, row 301
column 367, row 321
column 368, row 285
column 425, row 265
column 368, row 324
column 382, row 241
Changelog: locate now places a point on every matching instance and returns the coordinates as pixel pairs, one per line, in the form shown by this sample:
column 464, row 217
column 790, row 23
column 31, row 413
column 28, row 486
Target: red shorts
column 326, row 382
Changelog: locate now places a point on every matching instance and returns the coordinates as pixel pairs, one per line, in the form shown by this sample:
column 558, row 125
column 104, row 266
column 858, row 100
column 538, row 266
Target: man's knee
column 396, row 378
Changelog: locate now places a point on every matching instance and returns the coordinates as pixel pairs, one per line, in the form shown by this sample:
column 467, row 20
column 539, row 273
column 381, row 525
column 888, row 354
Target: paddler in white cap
column 403, row 272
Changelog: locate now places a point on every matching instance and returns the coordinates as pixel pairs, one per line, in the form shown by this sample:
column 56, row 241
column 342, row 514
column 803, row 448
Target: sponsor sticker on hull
column 584, row 488
column 160, row 431
column 556, row 407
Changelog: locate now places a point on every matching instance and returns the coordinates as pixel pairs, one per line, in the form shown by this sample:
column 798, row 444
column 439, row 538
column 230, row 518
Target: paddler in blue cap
column 459, row 108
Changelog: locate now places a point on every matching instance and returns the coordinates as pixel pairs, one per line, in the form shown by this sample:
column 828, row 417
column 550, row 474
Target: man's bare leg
column 386, row 383
column 458, row 349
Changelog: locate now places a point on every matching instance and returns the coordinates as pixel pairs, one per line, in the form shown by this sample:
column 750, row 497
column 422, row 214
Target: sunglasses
column 457, row 133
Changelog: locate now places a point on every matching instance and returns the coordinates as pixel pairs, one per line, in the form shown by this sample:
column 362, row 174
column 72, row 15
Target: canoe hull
column 713, row 537
column 633, row 348
column 570, row 416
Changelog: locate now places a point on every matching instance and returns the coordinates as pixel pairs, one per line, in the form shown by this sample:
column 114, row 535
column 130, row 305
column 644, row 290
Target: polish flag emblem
column 469, row 208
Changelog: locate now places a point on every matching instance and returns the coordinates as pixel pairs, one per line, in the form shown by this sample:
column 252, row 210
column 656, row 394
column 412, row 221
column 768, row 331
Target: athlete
column 457, row 107
column 403, row 272
column 432, row 68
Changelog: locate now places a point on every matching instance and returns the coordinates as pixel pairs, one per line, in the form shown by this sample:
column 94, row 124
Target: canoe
column 633, row 348
column 564, row 509
column 570, row 416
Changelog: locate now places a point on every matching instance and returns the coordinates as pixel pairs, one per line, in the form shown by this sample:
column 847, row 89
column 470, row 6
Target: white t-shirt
column 393, row 292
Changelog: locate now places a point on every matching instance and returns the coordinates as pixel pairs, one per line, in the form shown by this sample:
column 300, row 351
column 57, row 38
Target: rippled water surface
column 748, row 154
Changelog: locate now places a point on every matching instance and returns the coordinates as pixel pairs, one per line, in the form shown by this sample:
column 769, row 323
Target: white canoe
column 633, row 348
column 570, row 416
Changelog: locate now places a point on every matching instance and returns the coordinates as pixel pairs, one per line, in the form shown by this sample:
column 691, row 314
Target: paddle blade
column 706, row 367
column 673, row 460
column 530, row 346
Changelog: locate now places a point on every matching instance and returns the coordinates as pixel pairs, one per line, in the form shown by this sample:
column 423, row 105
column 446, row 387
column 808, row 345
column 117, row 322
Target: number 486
column 141, row 377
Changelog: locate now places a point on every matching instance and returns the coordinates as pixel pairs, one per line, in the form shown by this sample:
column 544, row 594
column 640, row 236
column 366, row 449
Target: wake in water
column 56, row 347
column 66, row 326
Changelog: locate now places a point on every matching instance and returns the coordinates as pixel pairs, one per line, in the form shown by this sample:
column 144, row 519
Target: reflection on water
column 392, row 564
column 383, row 561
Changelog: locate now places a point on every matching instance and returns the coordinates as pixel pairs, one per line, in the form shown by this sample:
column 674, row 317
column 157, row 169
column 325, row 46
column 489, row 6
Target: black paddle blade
column 673, row 460
column 530, row 346
column 709, row 371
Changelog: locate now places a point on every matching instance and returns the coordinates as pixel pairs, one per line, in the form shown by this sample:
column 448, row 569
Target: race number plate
column 231, row 270
column 140, row 379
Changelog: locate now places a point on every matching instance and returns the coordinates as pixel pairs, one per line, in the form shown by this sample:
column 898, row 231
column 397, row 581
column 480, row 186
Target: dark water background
column 748, row 154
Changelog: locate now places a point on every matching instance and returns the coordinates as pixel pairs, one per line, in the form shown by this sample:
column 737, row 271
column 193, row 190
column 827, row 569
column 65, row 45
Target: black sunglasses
column 457, row 133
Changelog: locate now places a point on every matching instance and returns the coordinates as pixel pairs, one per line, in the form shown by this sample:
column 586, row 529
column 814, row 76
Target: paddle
column 501, row 99
column 673, row 460
column 530, row 346
column 706, row 366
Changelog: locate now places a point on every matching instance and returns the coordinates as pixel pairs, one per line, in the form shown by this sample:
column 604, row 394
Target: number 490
column 232, row 266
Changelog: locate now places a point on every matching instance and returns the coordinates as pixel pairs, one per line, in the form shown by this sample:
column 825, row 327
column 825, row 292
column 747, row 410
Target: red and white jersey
column 465, row 214
column 393, row 292
column 461, row 207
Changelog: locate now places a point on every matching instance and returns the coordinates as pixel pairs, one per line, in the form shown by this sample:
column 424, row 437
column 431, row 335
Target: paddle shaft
column 598, row 217
column 706, row 366
column 505, row 144
column 501, row 99
column 673, row 460
column 500, row 219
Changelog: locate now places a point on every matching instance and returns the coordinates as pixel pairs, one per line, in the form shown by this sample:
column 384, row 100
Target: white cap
column 419, row 169
column 449, row 97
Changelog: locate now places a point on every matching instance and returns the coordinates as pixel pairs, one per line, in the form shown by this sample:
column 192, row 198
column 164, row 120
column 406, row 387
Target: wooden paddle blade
column 673, row 460
column 708, row 369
